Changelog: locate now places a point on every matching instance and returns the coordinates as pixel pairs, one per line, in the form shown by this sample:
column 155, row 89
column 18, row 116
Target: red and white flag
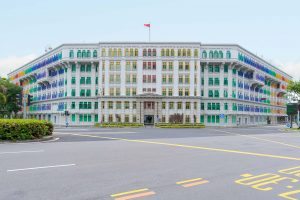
column 147, row 25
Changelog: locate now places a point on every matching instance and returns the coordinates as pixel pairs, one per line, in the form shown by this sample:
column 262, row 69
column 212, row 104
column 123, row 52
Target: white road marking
column 44, row 167
column 66, row 133
column 16, row 152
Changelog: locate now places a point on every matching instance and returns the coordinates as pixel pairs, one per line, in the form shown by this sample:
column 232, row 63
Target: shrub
column 174, row 125
column 119, row 125
column 24, row 129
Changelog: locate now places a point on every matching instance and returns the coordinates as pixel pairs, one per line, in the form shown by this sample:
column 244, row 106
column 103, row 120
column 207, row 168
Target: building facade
column 214, row 84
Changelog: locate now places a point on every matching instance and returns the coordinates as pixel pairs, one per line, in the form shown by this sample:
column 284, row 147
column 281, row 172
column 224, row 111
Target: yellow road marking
column 287, row 195
column 195, row 183
column 129, row 192
column 193, row 147
column 246, row 175
column 134, row 196
column 187, row 181
column 262, row 139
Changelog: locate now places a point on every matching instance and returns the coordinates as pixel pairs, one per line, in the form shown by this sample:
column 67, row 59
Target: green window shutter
column 217, row 119
column 73, row 68
column 209, row 118
column 225, row 68
column 202, row 118
column 96, row 118
column 73, row 117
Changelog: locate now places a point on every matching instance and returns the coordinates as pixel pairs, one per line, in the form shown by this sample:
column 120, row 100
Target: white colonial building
column 215, row 84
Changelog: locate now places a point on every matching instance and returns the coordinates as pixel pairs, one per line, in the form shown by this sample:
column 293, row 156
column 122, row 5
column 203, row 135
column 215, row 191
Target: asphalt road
column 149, row 163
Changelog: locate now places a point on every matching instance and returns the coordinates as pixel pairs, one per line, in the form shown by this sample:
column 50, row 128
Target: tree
column 8, row 95
column 294, row 86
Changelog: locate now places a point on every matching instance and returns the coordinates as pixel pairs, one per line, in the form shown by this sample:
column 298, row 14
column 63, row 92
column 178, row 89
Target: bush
column 24, row 129
column 119, row 125
column 173, row 125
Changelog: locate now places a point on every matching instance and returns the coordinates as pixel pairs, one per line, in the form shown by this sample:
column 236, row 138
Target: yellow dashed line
column 193, row 147
column 129, row 192
column 187, row 181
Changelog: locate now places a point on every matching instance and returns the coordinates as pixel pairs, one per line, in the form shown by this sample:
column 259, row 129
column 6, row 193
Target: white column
column 175, row 78
column 69, row 80
column 77, row 79
column 192, row 79
column 139, row 77
column 106, row 84
column 93, row 79
column 159, row 77
column 123, row 78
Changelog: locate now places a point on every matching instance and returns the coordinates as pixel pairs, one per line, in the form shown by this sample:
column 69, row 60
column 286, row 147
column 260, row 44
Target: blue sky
column 268, row 28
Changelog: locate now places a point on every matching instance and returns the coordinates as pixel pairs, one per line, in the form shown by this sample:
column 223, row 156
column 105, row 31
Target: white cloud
column 11, row 63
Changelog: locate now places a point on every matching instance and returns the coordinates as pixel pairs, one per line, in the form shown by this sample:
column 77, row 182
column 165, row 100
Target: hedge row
column 170, row 125
column 119, row 125
column 24, row 129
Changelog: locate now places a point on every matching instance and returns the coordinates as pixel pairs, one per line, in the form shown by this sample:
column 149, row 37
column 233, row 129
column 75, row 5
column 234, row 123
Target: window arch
column 196, row 53
column 172, row 52
column 95, row 54
column 204, row 54
column 149, row 52
column 115, row 52
column 131, row 52
column 103, row 52
column 79, row 54
column 153, row 52
column 144, row 52
column 83, row 54
column 88, row 53
column 71, row 54
column 179, row 52
column 211, row 54
column 119, row 52
column 126, row 52
column 162, row 52
column 184, row 52
column 216, row 54
column 167, row 52
column 136, row 52
column 189, row 54
column 228, row 55
column 221, row 54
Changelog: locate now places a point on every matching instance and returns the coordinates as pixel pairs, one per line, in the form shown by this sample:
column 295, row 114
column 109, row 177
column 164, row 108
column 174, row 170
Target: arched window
column 136, row 52
column 221, row 54
column 115, row 52
column 144, row 52
column 167, row 52
column 179, row 52
column 95, row 54
column 71, row 54
column 196, row 53
column 162, row 52
column 131, row 52
column 184, row 52
column 79, row 54
column 172, row 52
column 211, row 54
column 88, row 53
column 119, row 52
column 109, row 52
column 228, row 55
column 204, row 54
column 153, row 52
column 126, row 52
column 83, row 54
column 149, row 52
column 189, row 53
column 103, row 52
column 216, row 55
